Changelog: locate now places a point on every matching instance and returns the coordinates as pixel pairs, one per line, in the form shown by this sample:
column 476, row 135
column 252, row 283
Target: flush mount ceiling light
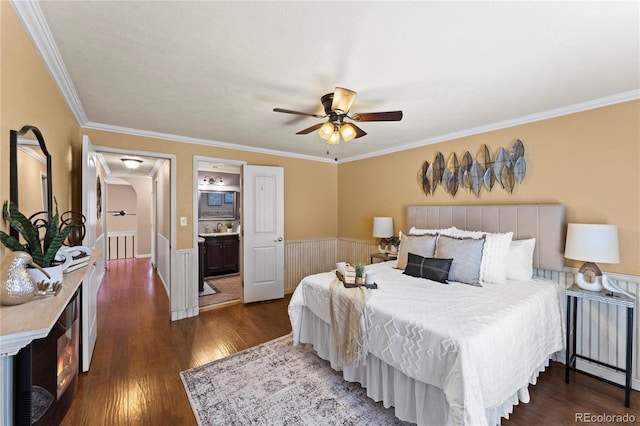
column 131, row 163
column 214, row 180
column 336, row 107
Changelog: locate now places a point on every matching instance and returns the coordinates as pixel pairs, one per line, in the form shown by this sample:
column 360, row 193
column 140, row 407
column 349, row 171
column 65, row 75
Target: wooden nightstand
column 383, row 257
column 618, row 299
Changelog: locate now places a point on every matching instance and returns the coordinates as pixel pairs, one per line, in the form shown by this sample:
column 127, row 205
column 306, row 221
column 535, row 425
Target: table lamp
column 383, row 229
column 591, row 243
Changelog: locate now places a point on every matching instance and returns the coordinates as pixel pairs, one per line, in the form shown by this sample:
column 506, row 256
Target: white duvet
column 480, row 345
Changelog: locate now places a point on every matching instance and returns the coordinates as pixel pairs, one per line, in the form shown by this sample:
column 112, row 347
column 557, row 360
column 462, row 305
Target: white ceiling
column 212, row 72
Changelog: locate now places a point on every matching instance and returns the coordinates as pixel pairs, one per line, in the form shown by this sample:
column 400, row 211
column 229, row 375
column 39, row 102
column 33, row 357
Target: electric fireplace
column 55, row 363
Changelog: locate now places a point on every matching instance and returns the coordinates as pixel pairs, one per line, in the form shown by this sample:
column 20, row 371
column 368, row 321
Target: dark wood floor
column 139, row 353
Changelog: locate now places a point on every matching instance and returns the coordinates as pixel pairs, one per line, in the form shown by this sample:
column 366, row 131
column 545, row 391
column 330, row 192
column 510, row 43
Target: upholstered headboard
column 544, row 222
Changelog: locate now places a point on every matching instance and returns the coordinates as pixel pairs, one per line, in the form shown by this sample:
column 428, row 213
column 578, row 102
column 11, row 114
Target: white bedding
column 479, row 345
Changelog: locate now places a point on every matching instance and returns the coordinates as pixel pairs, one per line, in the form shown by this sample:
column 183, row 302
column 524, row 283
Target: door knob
column 278, row 240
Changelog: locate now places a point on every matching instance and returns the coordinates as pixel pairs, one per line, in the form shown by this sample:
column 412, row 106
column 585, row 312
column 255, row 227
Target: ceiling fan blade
column 309, row 129
column 378, row 116
column 120, row 213
column 359, row 131
column 342, row 99
column 288, row 111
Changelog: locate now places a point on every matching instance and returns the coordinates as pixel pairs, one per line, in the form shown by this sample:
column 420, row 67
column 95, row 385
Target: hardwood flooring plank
column 134, row 376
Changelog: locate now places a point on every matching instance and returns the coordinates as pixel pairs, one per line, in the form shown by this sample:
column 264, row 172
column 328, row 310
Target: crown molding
column 545, row 115
column 198, row 141
column 33, row 21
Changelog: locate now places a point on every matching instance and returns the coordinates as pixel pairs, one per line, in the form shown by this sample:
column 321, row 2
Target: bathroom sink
column 217, row 234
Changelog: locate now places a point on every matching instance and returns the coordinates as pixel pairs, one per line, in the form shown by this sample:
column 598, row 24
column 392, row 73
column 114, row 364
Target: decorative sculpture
column 508, row 169
column 19, row 287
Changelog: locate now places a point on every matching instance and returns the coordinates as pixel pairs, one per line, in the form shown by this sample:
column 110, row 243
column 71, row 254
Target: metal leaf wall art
column 508, row 169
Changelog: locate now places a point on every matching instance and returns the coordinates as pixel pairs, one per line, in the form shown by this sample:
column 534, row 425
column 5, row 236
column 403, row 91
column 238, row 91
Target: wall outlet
column 183, row 221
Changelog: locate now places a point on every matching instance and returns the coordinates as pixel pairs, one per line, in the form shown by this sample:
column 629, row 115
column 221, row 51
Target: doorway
column 139, row 219
column 217, row 230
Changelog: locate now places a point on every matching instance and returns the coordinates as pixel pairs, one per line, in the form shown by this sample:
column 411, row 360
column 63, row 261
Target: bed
column 449, row 353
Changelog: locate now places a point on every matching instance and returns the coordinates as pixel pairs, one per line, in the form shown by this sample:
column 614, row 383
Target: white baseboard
column 605, row 373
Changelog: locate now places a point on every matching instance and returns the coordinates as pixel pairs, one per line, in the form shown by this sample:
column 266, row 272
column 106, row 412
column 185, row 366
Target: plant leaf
column 29, row 232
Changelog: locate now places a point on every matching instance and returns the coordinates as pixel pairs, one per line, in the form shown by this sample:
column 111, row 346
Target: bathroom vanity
column 221, row 253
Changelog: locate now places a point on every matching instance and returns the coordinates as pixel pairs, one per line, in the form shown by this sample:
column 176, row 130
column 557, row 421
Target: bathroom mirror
column 217, row 205
column 30, row 172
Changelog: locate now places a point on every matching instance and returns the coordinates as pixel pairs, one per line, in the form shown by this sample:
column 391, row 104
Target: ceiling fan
column 120, row 213
column 336, row 107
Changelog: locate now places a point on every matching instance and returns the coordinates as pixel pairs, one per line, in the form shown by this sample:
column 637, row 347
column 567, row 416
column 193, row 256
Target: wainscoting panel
column 121, row 245
column 601, row 329
column 184, row 300
column 355, row 251
column 306, row 257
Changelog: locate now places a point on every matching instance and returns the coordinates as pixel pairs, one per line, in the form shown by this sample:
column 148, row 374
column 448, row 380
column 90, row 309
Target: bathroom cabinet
column 221, row 255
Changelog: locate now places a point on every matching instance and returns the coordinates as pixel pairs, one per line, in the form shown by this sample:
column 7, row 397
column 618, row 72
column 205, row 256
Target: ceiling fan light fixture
column 347, row 131
column 334, row 139
column 131, row 163
column 342, row 99
column 217, row 180
column 326, row 130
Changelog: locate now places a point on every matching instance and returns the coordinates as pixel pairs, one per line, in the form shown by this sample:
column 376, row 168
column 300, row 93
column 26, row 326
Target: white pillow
column 419, row 231
column 520, row 259
column 422, row 245
column 494, row 255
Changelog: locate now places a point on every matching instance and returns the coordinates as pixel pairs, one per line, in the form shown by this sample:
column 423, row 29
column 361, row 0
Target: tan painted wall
column 310, row 186
column 142, row 187
column 28, row 95
column 587, row 161
column 121, row 197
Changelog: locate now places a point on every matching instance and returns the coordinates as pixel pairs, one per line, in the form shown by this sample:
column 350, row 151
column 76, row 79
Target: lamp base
column 593, row 270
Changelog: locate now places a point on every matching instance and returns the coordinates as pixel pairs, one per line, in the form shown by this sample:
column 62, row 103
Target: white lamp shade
column 592, row 243
column 382, row 227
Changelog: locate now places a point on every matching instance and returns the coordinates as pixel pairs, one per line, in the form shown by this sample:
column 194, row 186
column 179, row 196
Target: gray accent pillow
column 467, row 258
column 422, row 245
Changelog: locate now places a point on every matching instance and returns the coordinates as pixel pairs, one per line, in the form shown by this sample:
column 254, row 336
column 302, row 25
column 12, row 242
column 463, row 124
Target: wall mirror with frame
column 30, row 172
column 217, row 205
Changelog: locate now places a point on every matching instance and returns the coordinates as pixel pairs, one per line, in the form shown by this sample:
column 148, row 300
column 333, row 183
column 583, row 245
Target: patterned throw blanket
column 346, row 310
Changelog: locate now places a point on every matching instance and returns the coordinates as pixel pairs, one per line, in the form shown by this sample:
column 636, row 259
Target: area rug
column 208, row 289
column 277, row 383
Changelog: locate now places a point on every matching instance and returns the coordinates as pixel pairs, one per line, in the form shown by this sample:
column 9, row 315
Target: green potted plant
column 43, row 251
column 359, row 273
column 393, row 243
column 229, row 226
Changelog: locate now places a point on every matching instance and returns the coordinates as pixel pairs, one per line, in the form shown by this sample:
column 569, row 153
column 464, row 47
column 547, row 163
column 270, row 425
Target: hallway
column 133, row 377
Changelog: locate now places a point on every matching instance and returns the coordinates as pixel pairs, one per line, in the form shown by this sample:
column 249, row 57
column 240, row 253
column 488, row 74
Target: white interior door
column 92, row 280
column 263, row 234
